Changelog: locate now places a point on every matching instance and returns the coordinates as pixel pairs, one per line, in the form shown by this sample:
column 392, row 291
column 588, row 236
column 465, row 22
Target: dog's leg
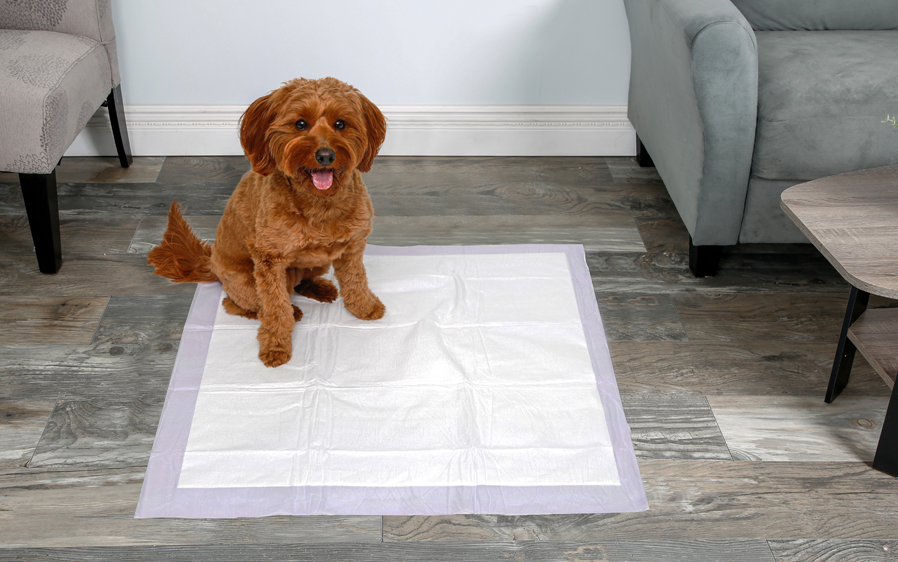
column 242, row 299
column 232, row 307
column 276, row 313
column 317, row 288
column 357, row 297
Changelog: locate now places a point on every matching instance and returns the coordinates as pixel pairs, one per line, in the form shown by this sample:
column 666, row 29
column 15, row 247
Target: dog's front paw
column 367, row 309
column 274, row 357
column 274, row 351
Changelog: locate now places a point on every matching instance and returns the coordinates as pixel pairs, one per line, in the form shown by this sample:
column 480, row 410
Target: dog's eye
column 340, row 125
column 302, row 125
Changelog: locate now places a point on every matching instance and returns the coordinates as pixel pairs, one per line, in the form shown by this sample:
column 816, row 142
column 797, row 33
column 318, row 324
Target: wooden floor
column 722, row 378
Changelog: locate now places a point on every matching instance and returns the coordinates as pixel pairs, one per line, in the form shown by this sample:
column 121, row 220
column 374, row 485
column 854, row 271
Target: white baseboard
column 537, row 130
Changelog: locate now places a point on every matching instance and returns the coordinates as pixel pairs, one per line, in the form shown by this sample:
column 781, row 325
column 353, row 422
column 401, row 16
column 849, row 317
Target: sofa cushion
column 50, row 85
column 822, row 96
column 818, row 15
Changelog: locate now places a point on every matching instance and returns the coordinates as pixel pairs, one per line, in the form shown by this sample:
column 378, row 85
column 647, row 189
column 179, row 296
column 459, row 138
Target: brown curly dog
column 301, row 209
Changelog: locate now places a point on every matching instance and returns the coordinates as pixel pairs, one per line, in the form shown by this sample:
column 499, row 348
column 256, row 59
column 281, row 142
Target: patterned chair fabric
column 57, row 65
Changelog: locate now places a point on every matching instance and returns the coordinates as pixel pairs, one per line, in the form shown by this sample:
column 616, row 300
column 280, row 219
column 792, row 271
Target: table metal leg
column 886, row 459
column 857, row 304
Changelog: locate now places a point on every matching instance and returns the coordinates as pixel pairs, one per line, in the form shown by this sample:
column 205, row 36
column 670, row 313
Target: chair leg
column 119, row 127
column 703, row 260
column 642, row 155
column 39, row 191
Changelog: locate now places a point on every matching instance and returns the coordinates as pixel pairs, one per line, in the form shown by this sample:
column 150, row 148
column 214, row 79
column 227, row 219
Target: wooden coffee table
column 853, row 220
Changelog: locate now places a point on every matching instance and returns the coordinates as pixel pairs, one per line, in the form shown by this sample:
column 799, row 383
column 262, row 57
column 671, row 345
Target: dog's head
column 313, row 131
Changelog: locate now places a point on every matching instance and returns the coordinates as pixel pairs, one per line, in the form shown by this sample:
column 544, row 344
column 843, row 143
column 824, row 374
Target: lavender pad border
column 161, row 497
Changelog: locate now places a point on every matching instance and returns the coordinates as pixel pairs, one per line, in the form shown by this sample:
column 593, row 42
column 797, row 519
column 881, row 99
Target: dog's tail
column 182, row 256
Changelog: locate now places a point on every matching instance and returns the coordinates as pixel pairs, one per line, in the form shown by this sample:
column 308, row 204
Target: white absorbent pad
column 487, row 387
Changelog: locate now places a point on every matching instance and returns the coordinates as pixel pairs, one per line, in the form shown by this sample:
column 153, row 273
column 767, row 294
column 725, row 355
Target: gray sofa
column 736, row 100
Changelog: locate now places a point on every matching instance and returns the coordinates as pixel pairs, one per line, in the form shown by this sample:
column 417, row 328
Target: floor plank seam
column 93, row 338
column 716, row 423
column 56, row 403
column 134, row 236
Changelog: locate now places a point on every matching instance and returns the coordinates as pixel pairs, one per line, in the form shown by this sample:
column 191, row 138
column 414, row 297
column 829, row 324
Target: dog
column 301, row 209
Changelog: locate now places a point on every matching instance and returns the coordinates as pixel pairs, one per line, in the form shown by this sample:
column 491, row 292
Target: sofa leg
column 703, row 260
column 39, row 191
column 119, row 127
column 642, row 155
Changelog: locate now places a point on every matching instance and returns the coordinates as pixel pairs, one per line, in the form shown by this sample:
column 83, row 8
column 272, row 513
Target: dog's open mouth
column 322, row 178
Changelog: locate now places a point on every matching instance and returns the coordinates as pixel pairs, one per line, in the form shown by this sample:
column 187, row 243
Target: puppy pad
column 486, row 388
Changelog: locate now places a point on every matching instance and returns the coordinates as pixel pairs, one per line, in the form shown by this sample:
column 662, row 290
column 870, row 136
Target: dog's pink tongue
column 322, row 179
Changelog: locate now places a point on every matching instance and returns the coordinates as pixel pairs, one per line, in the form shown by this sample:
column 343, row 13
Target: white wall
column 438, row 68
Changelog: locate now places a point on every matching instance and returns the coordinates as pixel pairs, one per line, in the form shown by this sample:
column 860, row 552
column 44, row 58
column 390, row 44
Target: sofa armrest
column 693, row 101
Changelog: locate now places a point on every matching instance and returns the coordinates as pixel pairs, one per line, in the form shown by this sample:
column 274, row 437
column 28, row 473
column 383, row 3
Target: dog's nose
column 325, row 156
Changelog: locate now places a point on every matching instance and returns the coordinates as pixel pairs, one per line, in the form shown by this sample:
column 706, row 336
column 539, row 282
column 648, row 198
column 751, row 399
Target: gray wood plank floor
column 722, row 378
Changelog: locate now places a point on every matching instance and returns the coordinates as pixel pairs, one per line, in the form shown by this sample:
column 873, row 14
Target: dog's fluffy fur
column 293, row 216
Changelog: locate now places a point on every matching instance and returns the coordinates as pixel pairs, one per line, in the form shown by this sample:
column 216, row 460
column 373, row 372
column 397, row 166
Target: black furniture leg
column 119, row 128
column 703, row 260
column 838, row 379
column 886, row 458
column 642, row 155
column 39, row 191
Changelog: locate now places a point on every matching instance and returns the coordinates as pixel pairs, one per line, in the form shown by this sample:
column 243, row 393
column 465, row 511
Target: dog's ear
column 376, row 127
column 254, row 124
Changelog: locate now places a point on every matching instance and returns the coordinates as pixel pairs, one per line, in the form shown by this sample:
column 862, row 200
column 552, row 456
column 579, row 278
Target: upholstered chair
column 58, row 66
